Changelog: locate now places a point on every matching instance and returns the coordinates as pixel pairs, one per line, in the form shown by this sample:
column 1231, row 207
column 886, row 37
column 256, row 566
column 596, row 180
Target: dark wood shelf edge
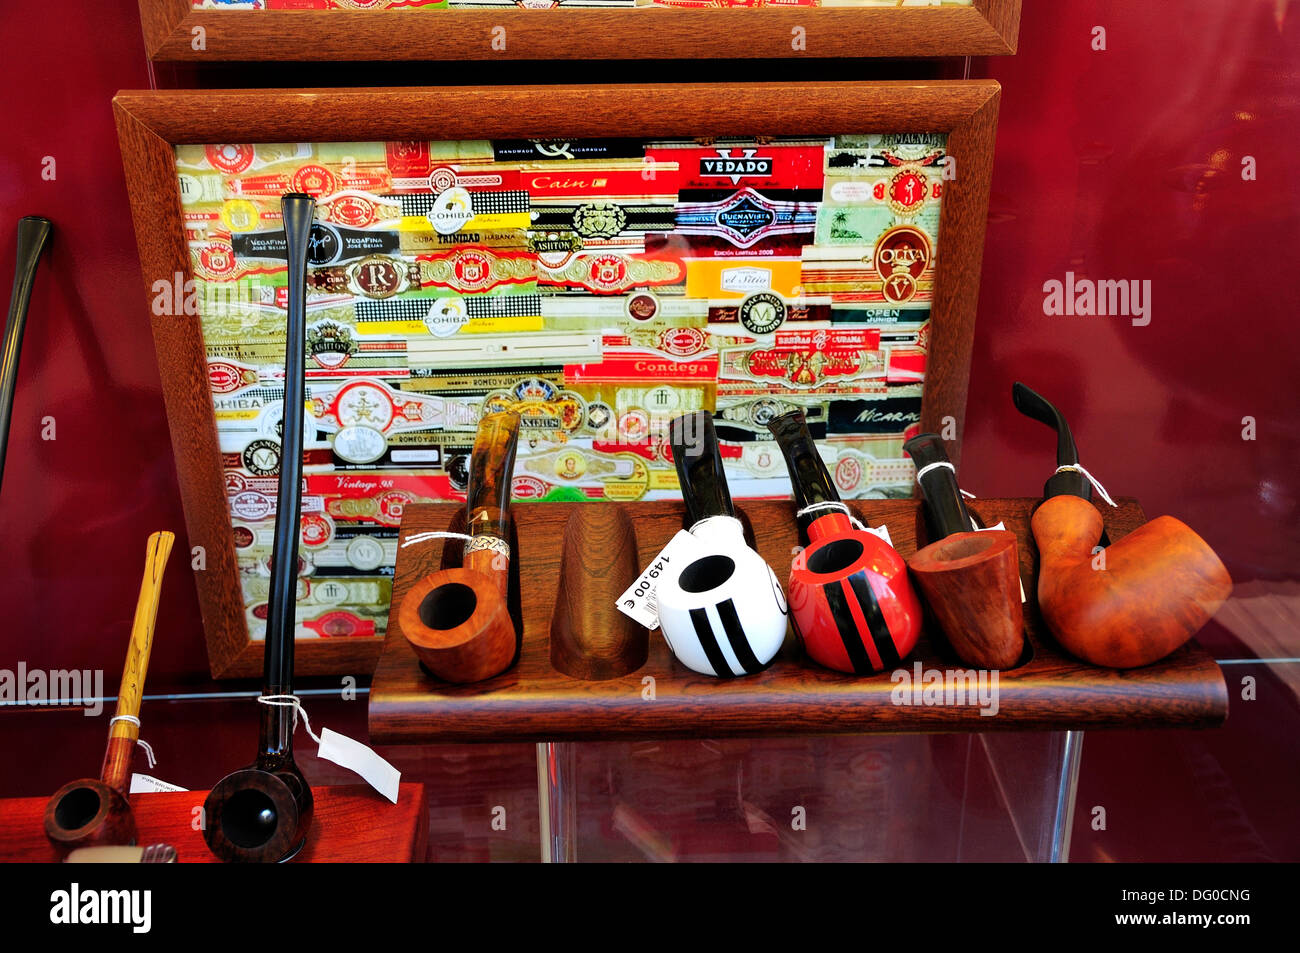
column 612, row 34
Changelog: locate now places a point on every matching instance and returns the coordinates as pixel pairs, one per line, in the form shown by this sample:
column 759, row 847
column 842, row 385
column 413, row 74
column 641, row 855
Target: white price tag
column 882, row 531
column 355, row 756
column 142, row 783
column 986, row 529
column 639, row 601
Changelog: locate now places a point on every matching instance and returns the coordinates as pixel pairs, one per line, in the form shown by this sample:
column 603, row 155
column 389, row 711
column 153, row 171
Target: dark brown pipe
column 33, row 235
column 262, row 813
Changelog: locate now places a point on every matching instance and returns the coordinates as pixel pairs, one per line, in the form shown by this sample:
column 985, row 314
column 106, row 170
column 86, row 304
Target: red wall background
column 1122, row 163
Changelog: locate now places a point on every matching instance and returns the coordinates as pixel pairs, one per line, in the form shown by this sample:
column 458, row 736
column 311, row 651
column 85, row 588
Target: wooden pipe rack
column 535, row 701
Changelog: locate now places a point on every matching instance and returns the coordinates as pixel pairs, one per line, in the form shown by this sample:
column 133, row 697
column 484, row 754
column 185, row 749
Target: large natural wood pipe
column 262, row 813
column 851, row 601
column 971, row 580
column 458, row 620
column 94, row 813
column 1133, row 602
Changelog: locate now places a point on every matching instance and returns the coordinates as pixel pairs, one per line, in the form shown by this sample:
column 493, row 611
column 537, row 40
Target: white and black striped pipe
column 723, row 613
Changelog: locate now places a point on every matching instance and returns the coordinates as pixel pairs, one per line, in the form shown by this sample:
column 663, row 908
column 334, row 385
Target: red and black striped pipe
column 851, row 600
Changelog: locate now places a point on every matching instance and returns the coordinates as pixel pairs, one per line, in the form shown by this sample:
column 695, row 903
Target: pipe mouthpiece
column 1035, row 406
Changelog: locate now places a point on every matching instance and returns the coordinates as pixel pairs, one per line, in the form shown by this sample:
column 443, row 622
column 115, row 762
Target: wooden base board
column 662, row 699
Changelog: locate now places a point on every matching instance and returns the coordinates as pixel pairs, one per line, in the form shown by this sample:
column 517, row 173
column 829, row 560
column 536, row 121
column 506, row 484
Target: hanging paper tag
column 988, row 529
column 142, row 783
column 882, row 531
column 355, row 756
column 639, row 601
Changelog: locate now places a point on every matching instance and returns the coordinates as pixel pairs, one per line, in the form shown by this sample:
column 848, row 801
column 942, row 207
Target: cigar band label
column 317, row 529
column 453, row 210
column 493, row 543
column 447, row 316
column 262, row 457
column 240, row 215
column 229, row 158
column 762, row 313
column 641, row 306
column 315, row 180
column 902, row 256
column 378, row 277
column 599, row 416
column 907, row 192
column 251, row 505
column 746, row 218
column 599, row 219
column 330, row 345
column 365, row 553
column 360, row 444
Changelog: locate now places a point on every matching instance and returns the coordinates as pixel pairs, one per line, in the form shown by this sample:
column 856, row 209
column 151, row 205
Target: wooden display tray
column 352, row 824
column 534, row 702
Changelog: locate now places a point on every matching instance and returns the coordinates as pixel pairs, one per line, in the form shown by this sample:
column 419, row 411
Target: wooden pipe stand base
column 352, row 824
column 535, row 701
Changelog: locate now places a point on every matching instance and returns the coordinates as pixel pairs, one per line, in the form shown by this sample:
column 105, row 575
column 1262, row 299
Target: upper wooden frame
column 151, row 124
column 986, row 28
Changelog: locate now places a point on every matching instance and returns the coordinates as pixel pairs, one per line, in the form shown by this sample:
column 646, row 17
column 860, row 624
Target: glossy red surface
column 1122, row 163
column 835, row 541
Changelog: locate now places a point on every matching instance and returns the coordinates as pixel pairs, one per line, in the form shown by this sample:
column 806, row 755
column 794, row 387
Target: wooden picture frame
column 175, row 31
column 151, row 124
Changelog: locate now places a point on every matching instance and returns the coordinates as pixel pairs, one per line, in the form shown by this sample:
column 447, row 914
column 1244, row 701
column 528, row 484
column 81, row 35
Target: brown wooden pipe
column 590, row 638
column 971, row 583
column 970, row 580
column 90, row 812
column 1160, row 584
column 458, row 620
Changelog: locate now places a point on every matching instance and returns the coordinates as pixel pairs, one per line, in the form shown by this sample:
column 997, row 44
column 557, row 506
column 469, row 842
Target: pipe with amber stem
column 94, row 813
column 971, row 580
column 458, row 620
column 851, row 601
column 262, row 813
column 1133, row 602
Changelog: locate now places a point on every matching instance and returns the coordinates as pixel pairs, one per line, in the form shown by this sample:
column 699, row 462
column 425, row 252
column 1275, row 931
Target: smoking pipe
column 1140, row 598
column 458, row 620
column 971, row 580
column 90, row 812
column 850, row 599
column 261, row 814
column 722, row 613
column 33, row 235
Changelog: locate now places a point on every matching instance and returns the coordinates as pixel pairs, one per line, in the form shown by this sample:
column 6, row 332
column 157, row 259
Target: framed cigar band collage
column 592, row 259
column 243, row 30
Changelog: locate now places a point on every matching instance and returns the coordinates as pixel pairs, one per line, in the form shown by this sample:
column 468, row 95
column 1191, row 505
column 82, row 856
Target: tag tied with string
column 342, row 750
